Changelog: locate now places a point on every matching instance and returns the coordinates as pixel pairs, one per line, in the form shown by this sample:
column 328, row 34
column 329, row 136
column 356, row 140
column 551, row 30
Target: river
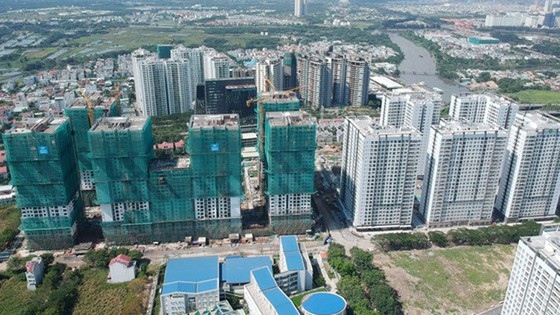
column 419, row 66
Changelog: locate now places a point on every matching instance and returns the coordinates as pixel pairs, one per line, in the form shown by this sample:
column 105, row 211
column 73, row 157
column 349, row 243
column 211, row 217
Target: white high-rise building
column 315, row 81
column 216, row 66
column 534, row 282
column 338, row 64
column 357, row 82
column 163, row 86
column 300, row 8
column 421, row 112
column 393, row 107
column 378, row 178
column 462, row 172
column 487, row 108
column 271, row 70
column 530, row 180
column 138, row 56
column 196, row 59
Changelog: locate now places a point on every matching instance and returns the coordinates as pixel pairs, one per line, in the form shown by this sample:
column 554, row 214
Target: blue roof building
column 264, row 297
column 294, row 263
column 237, row 270
column 190, row 284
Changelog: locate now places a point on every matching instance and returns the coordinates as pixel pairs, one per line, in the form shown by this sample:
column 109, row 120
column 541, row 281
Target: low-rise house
column 34, row 273
column 121, row 269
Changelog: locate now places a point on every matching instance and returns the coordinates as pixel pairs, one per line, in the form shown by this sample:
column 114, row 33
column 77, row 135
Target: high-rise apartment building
column 79, row 118
column 289, row 151
column 121, row 149
column 530, row 180
column 338, row 66
column 41, row 157
column 163, row 86
column 196, row 60
column 216, row 66
column 534, row 282
column 300, row 8
column 315, row 81
column 393, row 108
column 290, row 71
column 462, row 172
column 378, row 178
column 486, row 108
column 422, row 111
column 357, row 82
column 269, row 75
column 230, row 96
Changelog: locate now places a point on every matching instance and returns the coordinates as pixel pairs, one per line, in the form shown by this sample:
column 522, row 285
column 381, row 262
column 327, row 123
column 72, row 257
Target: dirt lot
column 458, row 280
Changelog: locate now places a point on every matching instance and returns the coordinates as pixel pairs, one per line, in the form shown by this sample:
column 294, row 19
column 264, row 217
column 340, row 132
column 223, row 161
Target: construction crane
column 89, row 104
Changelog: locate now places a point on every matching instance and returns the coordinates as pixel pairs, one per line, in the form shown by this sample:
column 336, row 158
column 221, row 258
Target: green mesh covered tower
column 79, row 119
column 290, row 169
column 41, row 156
column 283, row 101
column 214, row 146
column 121, row 150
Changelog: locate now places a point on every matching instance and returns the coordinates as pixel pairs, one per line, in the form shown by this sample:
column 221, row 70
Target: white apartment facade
column 271, row 70
column 483, row 108
column 300, row 8
column 461, row 175
column 530, row 184
column 315, row 81
column 379, row 169
column 534, row 283
column 357, row 82
column 216, row 66
column 421, row 112
column 338, row 66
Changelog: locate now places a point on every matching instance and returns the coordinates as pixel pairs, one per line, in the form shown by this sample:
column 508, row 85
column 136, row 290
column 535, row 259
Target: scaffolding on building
column 43, row 166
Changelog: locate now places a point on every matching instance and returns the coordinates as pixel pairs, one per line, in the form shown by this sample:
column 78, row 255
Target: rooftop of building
column 538, row 121
column 464, row 126
column 299, row 118
column 119, row 123
column 278, row 97
column 291, row 251
column 547, row 246
column 169, row 163
column 368, row 127
column 191, row 275
column 41, row 125
column 277, row 298
column 121, row 259
column 323, row 303
column 386, row 82
column 227, row 121
column 237, row 269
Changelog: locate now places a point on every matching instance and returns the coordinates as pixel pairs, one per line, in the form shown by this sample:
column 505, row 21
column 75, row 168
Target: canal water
column 419, row 66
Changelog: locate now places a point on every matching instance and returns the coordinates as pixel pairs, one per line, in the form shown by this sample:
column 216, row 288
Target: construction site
column 225, row 183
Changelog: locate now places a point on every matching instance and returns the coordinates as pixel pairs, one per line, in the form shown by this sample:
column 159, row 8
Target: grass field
column 96, row 295
column 298, row 298
column 9, row 224
column 14, row 296
column 537, row 97
column 460, row 280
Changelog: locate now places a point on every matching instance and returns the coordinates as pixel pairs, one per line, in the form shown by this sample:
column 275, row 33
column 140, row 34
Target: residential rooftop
column 546, row 246
column 369, row 128
column 227, row 121
column 537, row 121
column 298, row 118
column 41, row 125
column 119, row 123
column 463, row 126
column 278, row 97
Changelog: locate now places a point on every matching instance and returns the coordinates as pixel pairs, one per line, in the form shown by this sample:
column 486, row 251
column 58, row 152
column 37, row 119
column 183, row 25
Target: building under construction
column 80, row 120
column 289, row 159
column 145, row 200
column 41, row 156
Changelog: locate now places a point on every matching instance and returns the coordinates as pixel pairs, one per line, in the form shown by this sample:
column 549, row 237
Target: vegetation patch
column 299, row 298
column 537, row 97
column 9, row 224
column 461, row 280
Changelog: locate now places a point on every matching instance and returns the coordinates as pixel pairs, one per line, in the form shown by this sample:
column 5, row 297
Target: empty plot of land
column 459, row 280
